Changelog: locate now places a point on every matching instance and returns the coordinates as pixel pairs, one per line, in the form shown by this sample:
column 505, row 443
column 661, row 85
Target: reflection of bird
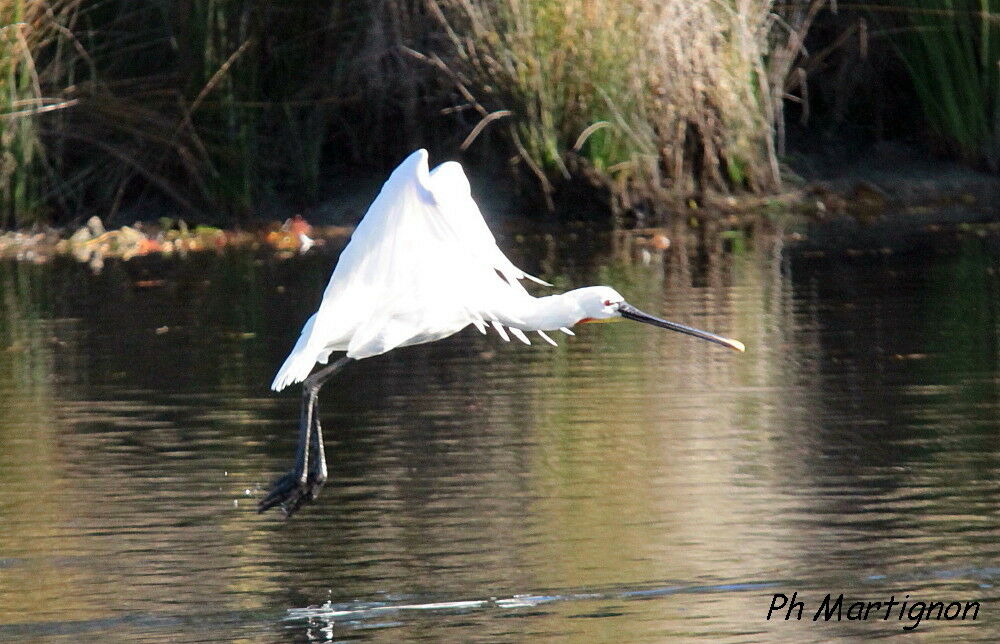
column 421, row 266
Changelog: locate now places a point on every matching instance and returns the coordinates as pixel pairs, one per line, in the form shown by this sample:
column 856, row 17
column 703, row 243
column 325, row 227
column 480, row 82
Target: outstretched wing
column 421, row 265
column 456, row 207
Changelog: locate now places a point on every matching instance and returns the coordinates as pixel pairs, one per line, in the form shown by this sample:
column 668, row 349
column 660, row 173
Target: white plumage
column 421, row 266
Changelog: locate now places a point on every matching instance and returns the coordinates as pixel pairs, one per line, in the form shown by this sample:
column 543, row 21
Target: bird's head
column 605, row 304
column 598, row 303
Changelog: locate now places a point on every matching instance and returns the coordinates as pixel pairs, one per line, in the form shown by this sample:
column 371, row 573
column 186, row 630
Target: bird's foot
column 291, row 492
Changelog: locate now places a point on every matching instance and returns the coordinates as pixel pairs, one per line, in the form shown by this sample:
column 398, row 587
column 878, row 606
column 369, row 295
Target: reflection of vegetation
column 89, row 445
column 643, row 435
column 237, row 272
column 961, row 317
column 627, row 455
column 27, row 354
column 30, row 458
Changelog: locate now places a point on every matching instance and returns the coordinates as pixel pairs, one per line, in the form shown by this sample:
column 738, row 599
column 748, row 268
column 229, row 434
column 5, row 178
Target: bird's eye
column 607, row 302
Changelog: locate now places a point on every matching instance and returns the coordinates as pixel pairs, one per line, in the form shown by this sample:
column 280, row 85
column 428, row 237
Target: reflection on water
column 629, row 485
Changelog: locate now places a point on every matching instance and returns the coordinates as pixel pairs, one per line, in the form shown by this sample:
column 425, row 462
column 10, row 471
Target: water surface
column 630, row 485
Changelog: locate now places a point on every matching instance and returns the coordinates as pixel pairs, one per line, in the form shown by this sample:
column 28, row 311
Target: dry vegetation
column 214, row 105
column 659, row 99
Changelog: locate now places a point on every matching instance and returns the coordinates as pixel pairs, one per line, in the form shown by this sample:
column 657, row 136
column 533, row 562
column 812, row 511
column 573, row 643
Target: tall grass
column 216, row 40
column 952, row 51
column 23, row 28
column 204, row 106
column 77, row 129
column 208, row 107
column 666, row 97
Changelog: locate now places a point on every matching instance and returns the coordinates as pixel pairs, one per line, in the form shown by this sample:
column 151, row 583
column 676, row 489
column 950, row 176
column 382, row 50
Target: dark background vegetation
column 225, row 111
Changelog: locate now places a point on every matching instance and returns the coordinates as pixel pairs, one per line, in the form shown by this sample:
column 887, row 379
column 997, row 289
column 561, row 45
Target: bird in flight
column 421, row 266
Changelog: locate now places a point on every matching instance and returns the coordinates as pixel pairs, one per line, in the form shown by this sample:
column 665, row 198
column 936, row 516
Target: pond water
column 630, row 485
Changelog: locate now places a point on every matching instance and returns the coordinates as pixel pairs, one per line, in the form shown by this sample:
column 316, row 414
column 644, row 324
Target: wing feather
column 421, row 265
column 546, row 337
column 519, row 334
column 452, row 191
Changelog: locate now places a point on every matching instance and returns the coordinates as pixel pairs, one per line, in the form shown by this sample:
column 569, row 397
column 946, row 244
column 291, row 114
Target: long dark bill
column 629, row 312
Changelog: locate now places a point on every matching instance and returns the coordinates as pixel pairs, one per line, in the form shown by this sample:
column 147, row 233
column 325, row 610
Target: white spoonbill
column 421, row 266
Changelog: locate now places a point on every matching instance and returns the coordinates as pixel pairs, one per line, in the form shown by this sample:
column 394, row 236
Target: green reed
column 19, row 143
column 952, row 51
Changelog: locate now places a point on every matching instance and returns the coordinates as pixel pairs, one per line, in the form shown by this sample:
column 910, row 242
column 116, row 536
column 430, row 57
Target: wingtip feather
column 519, row 334
column 537, row 280
column 501, row 331
column 295, row 369
column 545, row 336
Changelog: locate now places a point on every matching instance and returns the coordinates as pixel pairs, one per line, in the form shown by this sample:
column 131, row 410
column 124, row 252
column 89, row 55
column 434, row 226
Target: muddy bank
column 885, row 198
column 888, row 195
column 92, row 244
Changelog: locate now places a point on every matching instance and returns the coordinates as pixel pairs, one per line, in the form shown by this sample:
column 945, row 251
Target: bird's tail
column 299, row 362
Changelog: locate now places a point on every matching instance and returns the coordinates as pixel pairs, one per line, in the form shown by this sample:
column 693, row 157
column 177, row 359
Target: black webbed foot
column 291, row 493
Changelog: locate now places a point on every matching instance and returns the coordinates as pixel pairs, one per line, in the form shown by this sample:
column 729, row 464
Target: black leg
column 303, row 483
column 317, row 454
